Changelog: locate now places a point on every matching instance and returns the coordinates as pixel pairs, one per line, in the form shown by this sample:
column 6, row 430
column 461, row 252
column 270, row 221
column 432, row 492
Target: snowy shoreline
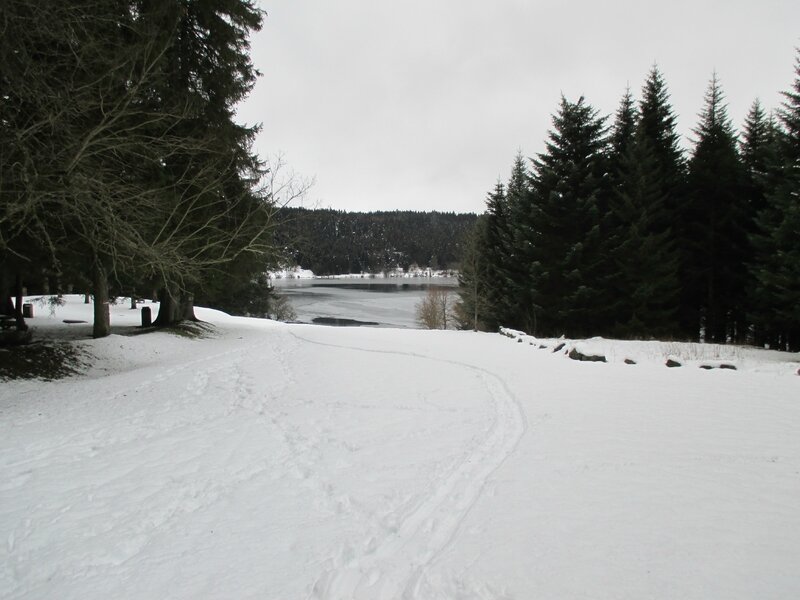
column 413, row 273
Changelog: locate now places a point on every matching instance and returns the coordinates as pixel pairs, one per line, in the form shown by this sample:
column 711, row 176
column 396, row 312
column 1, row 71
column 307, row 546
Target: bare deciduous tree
column 435, row 310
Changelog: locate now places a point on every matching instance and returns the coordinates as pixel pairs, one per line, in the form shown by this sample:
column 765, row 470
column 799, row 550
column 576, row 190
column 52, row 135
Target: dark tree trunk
column 6, row 301
column 793, row 340
column 167, row 309
column 102, row 322
column 174, row 308
column 7, row 304
column 187, row 308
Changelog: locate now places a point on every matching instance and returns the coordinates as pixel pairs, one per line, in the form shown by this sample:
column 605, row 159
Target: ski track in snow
column 393, row 563
column 393, row 559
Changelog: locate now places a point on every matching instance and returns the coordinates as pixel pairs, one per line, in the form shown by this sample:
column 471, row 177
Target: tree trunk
column 102, row 322
column 174, row 307
column 167, row 309
column 187, row 308
column 6, row 301
column 7, row 304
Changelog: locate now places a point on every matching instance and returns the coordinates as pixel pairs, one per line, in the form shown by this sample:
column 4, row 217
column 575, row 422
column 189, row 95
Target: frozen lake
column 379, row 302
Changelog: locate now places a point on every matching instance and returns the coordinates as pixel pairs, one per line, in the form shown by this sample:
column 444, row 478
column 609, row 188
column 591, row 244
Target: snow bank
column 706, row 356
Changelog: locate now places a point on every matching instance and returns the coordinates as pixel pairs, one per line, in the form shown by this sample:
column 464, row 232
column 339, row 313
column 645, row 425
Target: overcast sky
column 423, row 104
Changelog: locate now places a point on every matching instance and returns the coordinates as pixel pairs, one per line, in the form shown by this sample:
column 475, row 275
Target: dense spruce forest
column 331, row 242
column 614, row 230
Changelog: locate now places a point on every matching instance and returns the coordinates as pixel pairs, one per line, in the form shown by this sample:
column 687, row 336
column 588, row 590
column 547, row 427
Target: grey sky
column 422, row 104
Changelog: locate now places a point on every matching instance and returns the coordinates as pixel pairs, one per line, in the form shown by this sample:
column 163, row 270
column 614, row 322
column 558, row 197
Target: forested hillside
column 331, row 242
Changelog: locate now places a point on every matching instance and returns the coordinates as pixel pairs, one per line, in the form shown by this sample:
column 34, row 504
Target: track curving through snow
column 395, row 565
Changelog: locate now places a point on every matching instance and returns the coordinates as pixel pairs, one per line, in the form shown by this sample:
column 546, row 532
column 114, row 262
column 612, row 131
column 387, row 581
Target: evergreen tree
column 645, row 283
column 494, row 250
column 657, row 135
column 207, row 71
column 640, row 252
column 757, row 147
column 789, row 117
column 621, row 138
column 717, row 224
column 759, row 153
column 777, row 241
column 614, row 225
column 513, row 308
column 563, row 234
column 657, row 124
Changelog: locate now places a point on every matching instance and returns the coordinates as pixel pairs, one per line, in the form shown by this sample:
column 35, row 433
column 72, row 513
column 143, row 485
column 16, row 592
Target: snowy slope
column 279, row 461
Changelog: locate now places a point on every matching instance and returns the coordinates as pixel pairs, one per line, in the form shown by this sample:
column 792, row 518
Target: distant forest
column 331, row 242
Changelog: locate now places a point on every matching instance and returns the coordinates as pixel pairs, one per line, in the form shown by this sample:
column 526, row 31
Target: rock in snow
column 575, row 354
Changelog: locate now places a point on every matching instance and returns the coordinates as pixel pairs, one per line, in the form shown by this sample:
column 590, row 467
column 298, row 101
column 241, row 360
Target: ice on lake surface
column 385, row 302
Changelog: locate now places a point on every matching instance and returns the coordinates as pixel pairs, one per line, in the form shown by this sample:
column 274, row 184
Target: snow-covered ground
column 291, row 461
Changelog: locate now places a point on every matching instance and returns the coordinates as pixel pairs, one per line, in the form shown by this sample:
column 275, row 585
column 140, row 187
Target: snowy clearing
column 289, row 461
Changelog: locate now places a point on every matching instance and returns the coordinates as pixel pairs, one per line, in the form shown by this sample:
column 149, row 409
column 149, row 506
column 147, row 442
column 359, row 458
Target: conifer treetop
column 789, row 115
column 714, row 119
column 624, row 127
